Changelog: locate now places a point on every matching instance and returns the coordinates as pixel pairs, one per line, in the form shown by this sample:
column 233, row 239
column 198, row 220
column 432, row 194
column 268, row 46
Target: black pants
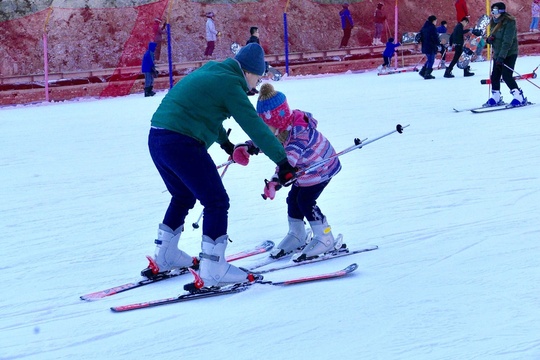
column 302, row 202
column 346, row 37
column 505, row 73
column 458, row 50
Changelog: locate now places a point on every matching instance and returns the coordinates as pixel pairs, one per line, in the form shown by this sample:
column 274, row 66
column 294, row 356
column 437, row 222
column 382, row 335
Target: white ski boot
column 322, row 242
column 294, row 240
column 519, row 99
column 495, row 99
column 214, row 268
column 167, row 256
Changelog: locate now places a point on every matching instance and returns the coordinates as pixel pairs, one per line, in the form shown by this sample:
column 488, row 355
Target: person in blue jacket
column 346, row 24
column 430, row 46
column 149, row 69
column 388, row 53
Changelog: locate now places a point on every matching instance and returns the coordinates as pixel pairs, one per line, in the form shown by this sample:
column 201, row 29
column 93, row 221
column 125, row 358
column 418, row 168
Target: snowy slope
column 453, row 203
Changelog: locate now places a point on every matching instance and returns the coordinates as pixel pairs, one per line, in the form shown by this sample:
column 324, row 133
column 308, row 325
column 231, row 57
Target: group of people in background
column 501, row 35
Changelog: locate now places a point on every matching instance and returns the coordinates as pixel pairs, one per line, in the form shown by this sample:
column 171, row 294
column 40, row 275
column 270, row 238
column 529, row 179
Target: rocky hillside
column 94, row 34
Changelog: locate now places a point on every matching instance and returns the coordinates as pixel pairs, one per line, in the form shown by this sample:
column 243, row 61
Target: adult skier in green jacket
column 503, row 39
column 187, row 122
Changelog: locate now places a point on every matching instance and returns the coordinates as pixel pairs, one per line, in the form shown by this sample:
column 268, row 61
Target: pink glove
column 270, row 189
column 240, row 154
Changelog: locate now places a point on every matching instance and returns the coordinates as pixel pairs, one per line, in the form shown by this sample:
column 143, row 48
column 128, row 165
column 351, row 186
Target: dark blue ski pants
column 189, row 174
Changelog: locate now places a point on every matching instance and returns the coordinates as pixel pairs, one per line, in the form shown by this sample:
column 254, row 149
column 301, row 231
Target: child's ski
column 332, row 255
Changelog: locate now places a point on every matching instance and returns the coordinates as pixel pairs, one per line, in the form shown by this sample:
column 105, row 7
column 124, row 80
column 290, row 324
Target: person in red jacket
column 461, row 10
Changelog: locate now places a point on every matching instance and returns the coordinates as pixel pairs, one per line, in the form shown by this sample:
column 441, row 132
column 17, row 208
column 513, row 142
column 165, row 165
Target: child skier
column 304, row 145
column 388, row 53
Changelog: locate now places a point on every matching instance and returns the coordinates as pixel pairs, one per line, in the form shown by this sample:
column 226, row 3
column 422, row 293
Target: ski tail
column 259, row 249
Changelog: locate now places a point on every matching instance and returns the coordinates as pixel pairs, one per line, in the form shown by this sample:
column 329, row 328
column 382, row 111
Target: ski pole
column 358, row 144
column 521, row 75
column 196, row 223
column 415, row 68
column 226, row 163
column 442, row 57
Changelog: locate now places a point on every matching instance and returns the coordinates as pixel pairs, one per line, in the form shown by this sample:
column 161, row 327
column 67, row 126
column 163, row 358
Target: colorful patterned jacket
column 305, row 146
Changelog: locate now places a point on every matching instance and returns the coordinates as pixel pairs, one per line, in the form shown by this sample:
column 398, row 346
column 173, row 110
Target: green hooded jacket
column 505, row 41
column 199, row 103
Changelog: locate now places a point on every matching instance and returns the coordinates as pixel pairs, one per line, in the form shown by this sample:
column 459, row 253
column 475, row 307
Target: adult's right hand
column 286, row 172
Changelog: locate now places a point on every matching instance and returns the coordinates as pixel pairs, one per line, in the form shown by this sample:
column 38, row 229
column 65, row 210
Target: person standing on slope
column 304, row 145
column 346, row 24
column 503, row 39
column 430, row 46
column 457, row 40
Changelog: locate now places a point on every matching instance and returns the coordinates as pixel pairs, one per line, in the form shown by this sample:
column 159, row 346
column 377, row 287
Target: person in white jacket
column 211, row 35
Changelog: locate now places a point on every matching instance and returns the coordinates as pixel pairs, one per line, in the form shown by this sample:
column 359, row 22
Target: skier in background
column 379, row 18
column 388, row 53
column 457, row 40
column 253, row 35
column 304, row 145
column 254, row 38
column 535, row 15
column 211, row 35
column 148, row 68
column 430, row 46
column 503, row 39
column 158, row 32
column 346, row 24
column 443, row 29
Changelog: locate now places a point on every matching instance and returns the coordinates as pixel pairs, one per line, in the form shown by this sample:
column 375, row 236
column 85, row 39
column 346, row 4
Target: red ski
column 259, row 249
column 231, row 289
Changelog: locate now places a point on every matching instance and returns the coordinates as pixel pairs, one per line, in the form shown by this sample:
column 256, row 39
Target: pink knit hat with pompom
column 273, row 108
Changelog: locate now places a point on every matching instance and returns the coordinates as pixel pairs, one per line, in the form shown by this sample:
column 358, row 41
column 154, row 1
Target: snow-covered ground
column 453, row 203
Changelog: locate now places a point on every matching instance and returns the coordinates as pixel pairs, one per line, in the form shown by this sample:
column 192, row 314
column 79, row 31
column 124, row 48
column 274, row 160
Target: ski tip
column 351, row 268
